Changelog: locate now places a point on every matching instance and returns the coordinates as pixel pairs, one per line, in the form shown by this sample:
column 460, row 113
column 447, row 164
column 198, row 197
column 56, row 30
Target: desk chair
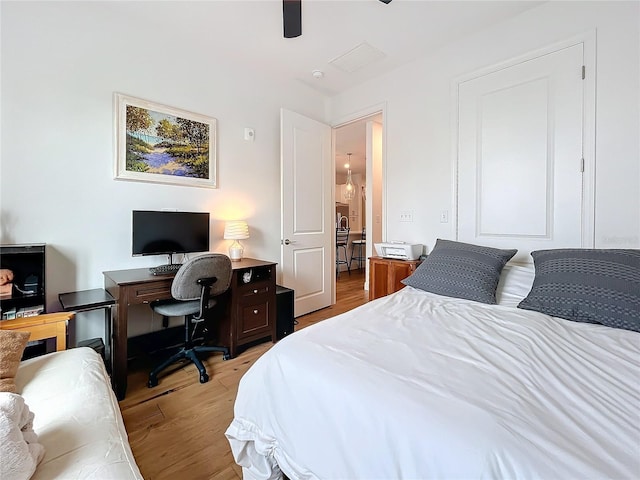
column 192, row 289
column 342, row 240
column 359, row 244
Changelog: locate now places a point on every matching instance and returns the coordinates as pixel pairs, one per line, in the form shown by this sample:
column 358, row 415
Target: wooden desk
column 250, row 310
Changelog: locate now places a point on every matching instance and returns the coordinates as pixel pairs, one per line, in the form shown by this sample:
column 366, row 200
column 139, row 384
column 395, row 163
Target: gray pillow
column 461, row 270
column 587, row 285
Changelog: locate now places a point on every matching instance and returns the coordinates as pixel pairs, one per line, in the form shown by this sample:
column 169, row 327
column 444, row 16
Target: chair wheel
column 204, row 378
column 226, row 356
column 153, row 382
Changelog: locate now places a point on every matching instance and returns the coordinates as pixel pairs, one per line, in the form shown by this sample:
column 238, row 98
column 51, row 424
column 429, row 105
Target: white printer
column 399, row 250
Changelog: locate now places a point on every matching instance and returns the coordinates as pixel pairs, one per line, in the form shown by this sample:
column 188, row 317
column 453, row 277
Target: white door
column 307, row 214
column 519, row 155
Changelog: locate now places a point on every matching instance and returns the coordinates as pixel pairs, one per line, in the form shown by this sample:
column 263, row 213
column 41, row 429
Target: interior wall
column 419, row 132
column 374, row 190
column 61, row 63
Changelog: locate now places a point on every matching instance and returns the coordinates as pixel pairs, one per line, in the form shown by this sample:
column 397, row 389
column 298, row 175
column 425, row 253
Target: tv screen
column 156, row 233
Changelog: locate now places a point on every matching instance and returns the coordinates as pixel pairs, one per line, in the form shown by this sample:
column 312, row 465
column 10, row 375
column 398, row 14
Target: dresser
column 385, row 275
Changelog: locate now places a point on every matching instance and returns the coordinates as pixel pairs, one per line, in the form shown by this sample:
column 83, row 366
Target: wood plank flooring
column 176, row 430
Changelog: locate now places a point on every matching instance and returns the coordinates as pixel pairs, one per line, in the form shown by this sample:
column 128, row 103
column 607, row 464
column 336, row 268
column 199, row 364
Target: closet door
column 520, row 174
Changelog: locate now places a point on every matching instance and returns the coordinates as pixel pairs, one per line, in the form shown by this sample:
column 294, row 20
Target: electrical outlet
column 444, row 216
column 406, row 216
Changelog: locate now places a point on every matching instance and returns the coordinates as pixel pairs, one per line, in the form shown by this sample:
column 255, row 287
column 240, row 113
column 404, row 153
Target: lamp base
column 235, row 251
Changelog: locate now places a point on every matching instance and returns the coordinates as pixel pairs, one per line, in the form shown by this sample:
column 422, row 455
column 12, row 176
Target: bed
column 423, row 385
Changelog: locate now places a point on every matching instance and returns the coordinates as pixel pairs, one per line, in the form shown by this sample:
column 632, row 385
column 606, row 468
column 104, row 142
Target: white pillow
column 515, row 284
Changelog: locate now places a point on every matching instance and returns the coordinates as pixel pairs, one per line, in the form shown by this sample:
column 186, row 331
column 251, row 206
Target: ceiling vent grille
column 358, row 57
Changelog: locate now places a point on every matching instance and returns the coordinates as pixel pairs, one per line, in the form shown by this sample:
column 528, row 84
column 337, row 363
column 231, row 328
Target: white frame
column 121, row 102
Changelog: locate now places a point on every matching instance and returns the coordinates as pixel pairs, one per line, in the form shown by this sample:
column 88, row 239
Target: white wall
column 61, row 64
column 418, row 129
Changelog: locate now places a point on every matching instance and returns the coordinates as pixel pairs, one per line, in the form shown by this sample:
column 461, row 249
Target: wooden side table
column 94, row 299
column 41, row 327
column 385, row 275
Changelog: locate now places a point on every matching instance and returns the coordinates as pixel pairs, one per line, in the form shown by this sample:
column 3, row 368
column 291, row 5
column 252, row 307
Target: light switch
column 406, row 216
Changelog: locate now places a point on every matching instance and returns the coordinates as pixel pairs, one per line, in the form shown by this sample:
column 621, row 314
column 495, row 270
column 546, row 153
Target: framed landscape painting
column 156, row 143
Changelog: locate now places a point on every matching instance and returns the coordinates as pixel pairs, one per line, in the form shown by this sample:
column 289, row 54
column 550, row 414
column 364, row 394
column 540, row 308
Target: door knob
column 288, row 242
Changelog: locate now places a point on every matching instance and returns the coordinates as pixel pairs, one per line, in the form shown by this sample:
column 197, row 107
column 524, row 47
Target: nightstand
column 385, row 275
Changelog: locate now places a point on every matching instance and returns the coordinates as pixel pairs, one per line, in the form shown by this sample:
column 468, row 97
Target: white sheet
column 415, row 385
column 76, row 417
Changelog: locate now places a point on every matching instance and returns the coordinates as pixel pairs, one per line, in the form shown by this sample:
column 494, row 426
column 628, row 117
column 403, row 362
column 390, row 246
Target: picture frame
column 161, row 144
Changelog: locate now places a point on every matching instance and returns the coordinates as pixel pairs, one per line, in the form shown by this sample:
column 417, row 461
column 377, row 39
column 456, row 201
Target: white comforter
column 77, row 417
column 420, row 386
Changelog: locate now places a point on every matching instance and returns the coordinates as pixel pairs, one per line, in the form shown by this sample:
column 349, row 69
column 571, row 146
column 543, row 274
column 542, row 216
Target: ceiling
column 351, row 138
column 249, row 33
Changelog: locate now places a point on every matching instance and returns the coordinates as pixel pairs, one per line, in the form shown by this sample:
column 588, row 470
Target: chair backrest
column 185, row 284
column 342, row 236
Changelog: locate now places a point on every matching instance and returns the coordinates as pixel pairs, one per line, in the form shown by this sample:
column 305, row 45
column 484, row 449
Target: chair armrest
column 207, row 281
column 48, row 325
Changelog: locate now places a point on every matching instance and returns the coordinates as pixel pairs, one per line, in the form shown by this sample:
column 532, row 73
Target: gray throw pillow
column 461, row 270
column 587, row 285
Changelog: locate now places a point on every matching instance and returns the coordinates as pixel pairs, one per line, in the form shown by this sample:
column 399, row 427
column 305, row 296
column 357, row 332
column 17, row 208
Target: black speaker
column 284, row 312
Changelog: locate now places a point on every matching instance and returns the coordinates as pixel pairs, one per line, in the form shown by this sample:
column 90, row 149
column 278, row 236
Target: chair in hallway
column 342, row 241
column 193, row 288
column 361, row 245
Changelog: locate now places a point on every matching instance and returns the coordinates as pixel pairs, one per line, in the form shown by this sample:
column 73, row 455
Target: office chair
column 192, row 289
column 342, row 240
column 359, row 244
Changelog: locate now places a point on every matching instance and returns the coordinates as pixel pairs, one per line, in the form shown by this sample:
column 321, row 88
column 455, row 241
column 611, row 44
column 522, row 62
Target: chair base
column 191, row 355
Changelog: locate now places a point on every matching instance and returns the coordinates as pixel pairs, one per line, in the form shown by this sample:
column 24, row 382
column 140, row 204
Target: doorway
column 358, row 161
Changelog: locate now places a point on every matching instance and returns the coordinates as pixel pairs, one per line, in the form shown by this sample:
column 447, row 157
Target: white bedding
column 76, row 417
column 416, row 385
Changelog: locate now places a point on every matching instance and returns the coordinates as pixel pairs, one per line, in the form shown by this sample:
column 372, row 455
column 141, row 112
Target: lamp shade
column 236, row 230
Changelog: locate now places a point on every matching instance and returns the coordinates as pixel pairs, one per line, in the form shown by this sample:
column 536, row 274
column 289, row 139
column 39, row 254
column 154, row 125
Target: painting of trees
column 169, row 144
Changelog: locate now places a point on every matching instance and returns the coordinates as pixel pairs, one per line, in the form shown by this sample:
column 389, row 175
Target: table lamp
column 236, row 230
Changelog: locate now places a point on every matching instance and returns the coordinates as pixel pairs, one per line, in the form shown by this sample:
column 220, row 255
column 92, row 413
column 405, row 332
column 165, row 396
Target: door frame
column 588, row 40
column 376, row 109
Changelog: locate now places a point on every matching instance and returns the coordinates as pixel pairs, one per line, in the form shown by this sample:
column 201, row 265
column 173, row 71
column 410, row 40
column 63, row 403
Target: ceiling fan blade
column 292, row 18
column 386, row 1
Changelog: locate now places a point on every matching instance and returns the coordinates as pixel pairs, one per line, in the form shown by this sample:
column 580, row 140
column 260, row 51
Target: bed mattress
column 417, row 385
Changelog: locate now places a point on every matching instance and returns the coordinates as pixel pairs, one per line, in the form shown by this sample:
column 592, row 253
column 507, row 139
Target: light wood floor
column 176, row 430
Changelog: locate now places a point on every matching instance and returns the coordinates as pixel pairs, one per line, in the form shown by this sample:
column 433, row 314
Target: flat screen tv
column 164, row 232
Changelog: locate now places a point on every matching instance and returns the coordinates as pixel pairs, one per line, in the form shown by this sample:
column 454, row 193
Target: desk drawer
column 254, row 319
column 248, row 291
column 148, row 292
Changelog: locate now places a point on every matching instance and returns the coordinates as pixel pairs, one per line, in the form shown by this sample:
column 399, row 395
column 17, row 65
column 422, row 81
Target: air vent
column 357, row 58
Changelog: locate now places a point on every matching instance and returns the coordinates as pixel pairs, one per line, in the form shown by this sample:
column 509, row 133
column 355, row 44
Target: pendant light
column 349, row 188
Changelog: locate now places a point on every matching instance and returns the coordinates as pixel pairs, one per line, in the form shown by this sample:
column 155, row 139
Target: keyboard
column 168, row 269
